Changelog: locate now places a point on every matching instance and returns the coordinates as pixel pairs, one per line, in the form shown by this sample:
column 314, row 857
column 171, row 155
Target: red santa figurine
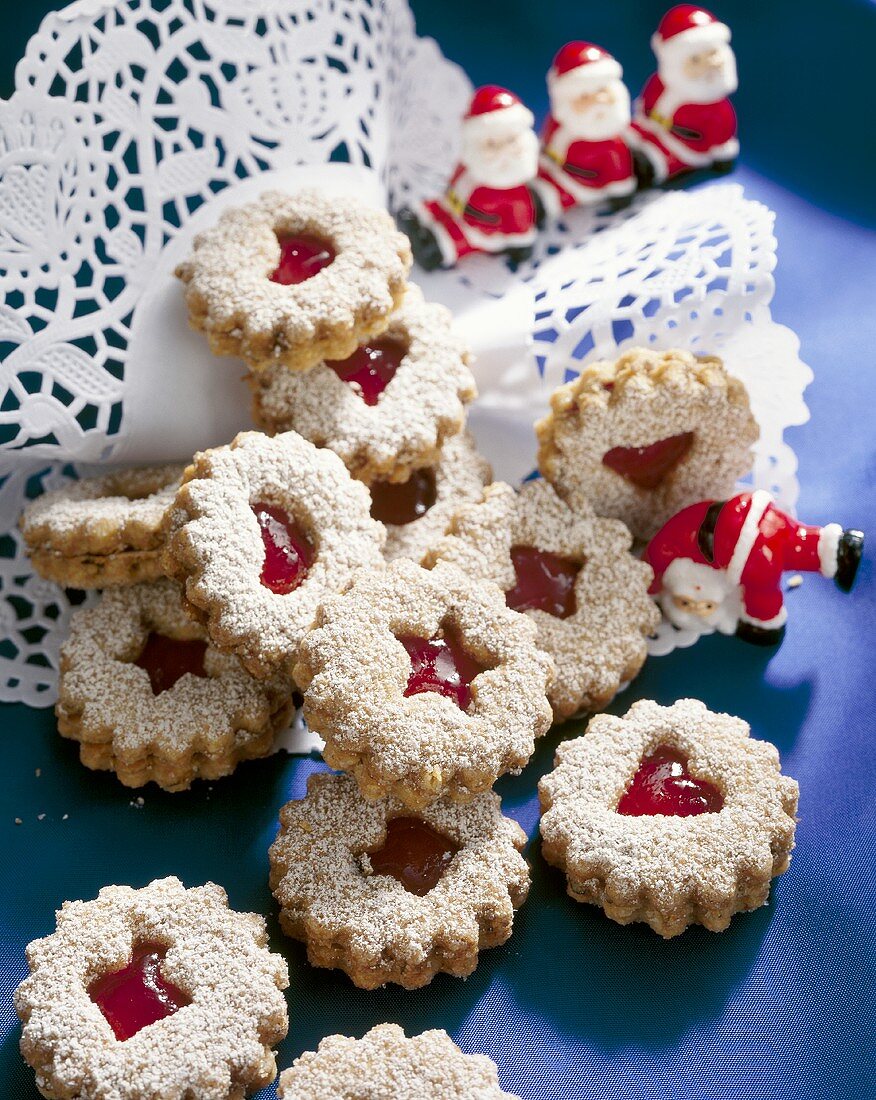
column 718, row 564
column 683, row 119
column 584, row 157
column 489, row 205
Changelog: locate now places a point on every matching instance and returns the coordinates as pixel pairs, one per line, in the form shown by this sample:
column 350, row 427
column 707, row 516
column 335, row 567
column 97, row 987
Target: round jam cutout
column 400, row 503
column 648, row 466
column 544, row 582
column 663, row 785
column 371, row 367
column 441, row 665
column 414, row 854
column 301, row 257
column 168, row 659
column 288, row 554
column 137, row 995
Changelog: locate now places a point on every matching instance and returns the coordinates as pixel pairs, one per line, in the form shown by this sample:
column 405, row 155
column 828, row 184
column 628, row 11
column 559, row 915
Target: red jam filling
column 648, row 466
column 442, row 665
column 663, row 785
column 398, row 503
column 371, row 367
column 168, row 659
column 137, row 995
column 301, row 257
column 288, row 554
column 414, row 854
column 545, row 582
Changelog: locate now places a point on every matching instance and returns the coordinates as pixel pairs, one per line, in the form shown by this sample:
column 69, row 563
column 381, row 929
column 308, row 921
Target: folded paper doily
column 131, row 128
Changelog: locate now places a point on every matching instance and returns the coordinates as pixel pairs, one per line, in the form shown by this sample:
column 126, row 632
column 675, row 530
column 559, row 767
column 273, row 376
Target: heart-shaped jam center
column 288, row 554
column 648, row 466
column 442, row 665
column 168, row 659
column 371, row 367
column 663, row 785
column 414, row 854
column 137, row 995
column 301, row 257
column 544, row 582
column 398, row 503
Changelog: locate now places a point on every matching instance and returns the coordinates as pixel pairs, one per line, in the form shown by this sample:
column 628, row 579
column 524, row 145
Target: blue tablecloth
column 779, row 1006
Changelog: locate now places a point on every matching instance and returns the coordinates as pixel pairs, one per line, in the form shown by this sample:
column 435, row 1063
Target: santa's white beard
column 516, row 164
column 718, row 84
column 596, row 123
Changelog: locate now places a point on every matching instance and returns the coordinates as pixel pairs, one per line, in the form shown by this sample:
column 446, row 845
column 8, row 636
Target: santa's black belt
column 706, row 532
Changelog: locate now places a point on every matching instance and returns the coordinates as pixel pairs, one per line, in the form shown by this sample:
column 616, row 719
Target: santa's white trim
column 760, row 501
column 497, row 241
column 498, row 123
column 828, row 548
column 579, row 192
column 446, row 244
column 706, row 34
column 767, row 624
column 547, row 191
column 657, row 134
column 584, row 78
column 648, row 147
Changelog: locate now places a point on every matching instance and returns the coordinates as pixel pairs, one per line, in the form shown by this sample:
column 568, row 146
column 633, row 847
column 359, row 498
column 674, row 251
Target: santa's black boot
column 722, row 167
column 424, row 243
column 539, row 208
column 759, row 635
column 643, row 169
column 848, row 558
column 517, row 256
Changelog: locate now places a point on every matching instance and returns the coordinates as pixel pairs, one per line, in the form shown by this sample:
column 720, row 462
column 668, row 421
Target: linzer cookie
column 642, row 437
column 101, row 531
column 423, row 683
column 417, row 512
column 387, row 409
column 573, row 574
column 384, row 1063
column 159, row 992
column 259, row 534
column 390, row 896
column 293, row 279
column 670, row 815
column 148, row 697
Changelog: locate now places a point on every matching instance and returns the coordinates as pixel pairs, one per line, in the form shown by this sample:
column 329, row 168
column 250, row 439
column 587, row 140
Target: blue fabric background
column 779, row 1006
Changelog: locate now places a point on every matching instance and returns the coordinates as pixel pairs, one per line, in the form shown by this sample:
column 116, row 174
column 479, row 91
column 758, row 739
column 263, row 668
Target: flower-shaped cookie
column 385, row 1063
column 390, row 897
column 161, row 992
column 423, row 683
column 149, row 698
column 573, row 574
column 294, row 279
column 386, row 409
column 417, row 512
column 101, row 531
column 669, row 815
column 642, row 437
column 259, row 534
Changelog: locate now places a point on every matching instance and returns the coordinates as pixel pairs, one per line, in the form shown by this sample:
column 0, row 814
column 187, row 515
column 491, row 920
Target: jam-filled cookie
column 423, row 683
column 387, row 408
column 385, row 1063
column 670, row 815
column 101, row 531
column 642, row 437
column 161, row 992
column 147, row 696
column 417, row 512
column 293, row 279
column 260, row 533
column 573, row 574
column 390, row 896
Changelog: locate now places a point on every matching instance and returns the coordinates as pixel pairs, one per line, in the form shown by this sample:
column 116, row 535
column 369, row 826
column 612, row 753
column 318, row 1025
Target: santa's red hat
column 686, row 26
column 494, row 111
column 581, row 67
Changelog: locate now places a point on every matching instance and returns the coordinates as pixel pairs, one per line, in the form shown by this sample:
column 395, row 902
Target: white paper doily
column 130, row 127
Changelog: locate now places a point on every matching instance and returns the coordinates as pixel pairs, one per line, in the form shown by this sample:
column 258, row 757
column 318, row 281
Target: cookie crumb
column 795, row 581
column 38, row 772
column 41, row 817
column 65, row 817
column 18, row 821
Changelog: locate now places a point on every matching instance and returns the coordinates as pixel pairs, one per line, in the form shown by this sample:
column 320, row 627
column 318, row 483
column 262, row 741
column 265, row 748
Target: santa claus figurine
column 489, row 205
column 718, row 564
column 683, row 119
column 584, row 157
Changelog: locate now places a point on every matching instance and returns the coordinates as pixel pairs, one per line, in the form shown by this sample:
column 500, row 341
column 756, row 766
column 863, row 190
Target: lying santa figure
column 683, row 119
column 489, row 205
column 718, row 565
